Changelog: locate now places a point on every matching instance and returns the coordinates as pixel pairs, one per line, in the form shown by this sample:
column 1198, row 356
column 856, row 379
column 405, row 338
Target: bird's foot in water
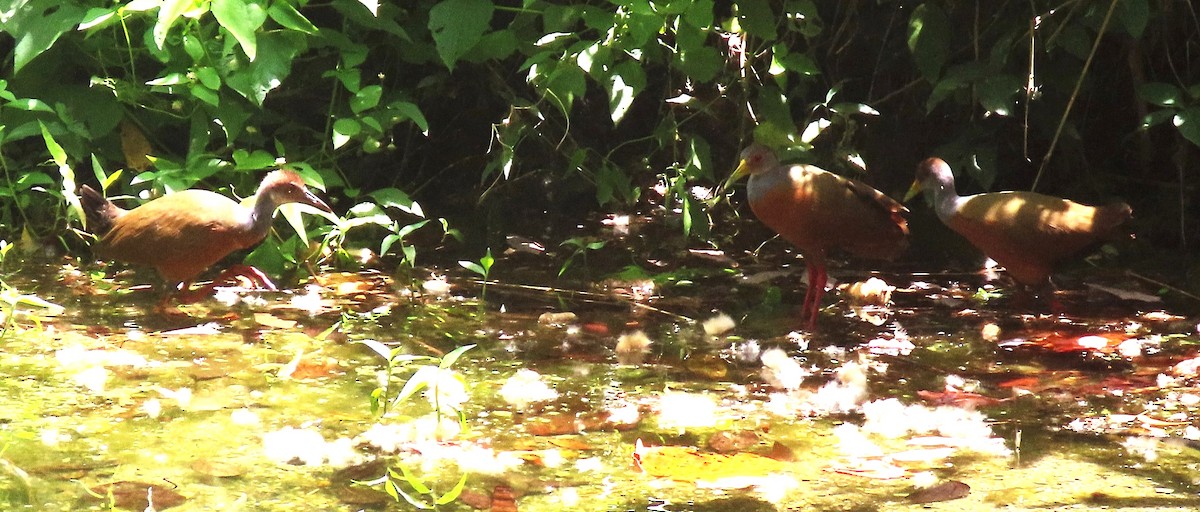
column 238, row 275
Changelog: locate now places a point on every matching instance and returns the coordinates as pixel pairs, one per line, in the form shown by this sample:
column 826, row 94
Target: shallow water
column 266, row 404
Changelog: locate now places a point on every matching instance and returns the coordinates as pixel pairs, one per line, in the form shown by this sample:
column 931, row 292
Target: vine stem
column 1062, row 122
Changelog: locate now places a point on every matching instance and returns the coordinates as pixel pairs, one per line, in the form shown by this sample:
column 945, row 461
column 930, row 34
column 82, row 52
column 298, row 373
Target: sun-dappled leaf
column 457, row 25
column 1187, row 121
column 929, row 39
column 242, row 18
column 757, row 18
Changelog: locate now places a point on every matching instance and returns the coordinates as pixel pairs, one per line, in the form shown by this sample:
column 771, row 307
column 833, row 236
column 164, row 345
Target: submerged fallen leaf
column 272, row 321
column 686, row 464
column 360, row 495
column 217, row 468
column 137, row 495
column 557, row 319
column 945, row 491
column 736, row 441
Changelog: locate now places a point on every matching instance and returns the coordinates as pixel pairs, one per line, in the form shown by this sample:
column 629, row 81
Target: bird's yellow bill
column 739, row 173
column 913, row 191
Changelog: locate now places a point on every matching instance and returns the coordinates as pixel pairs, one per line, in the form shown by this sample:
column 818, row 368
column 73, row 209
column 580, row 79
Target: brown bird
column 1026, row 232
column 817, row 211
column 184, row 233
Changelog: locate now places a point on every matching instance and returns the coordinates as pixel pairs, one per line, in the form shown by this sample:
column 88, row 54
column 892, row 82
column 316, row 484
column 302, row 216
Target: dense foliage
column 510, row 109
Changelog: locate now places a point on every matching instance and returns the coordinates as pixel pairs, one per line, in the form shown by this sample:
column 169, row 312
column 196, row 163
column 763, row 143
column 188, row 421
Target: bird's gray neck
column 945, row 199
column 259, row 222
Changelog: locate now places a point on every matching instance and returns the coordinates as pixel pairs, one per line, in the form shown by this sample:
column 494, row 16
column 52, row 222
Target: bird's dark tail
column 100, row 212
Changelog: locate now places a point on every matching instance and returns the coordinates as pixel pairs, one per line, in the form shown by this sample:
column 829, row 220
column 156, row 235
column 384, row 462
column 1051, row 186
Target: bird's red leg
column 809, row 291
column 816, row 288
column 255, row 276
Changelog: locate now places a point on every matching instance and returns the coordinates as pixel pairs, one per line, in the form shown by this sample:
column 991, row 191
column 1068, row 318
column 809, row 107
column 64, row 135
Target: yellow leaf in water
column 689, row 465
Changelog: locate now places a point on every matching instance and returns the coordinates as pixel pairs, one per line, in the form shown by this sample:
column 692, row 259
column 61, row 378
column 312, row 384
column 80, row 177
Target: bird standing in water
column 1025, row 232
column 817, row 211
column 184, row 233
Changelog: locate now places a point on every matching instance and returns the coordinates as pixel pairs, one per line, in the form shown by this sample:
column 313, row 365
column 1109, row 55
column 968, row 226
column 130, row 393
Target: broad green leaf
column 413, row 113
column 699, row 14
column 366, row 98
column 457, row 25
column 929, row 39
column 344, row 129
column 701, row 64
column 1188, row 123
column 378, row 348
column 998, row 93
column 565, row 84
column 241, row 18
column 36, row 25
column 1161, row 94
column 757, row 18
column 1157, row 117
column 955, row 79
column 202, row 93
column 448, row 360
column 246, row 161
column 395, row 198
column 168, row 13
column 1133, row 15
column 285, row 14
column 56, row 151
column 453, row 493
column 209, row 77
column 626, row 82
column 97, row 17
column 254, row 80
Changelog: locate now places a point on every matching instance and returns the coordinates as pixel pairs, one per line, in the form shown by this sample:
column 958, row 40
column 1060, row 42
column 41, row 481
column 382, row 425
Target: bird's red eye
column 756, row 158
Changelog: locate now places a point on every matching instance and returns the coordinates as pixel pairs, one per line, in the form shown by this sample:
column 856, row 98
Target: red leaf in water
column 1021, row 382
column 958, row 399
column 138, row 496
column 945, row 491
column 503, row 499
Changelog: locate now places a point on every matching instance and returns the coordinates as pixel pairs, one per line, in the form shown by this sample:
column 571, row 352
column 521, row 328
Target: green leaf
column 202, row 93
column 378, row 348
column 1161, row 94
column 449, row 359
column 1188, row 123
column 285, row 14
column 453, row 493
column 56, row 151
column 242, row 19
column 168, row 13
column 955, row 79
column 565, row 84
column 702, row 64
column 209, row 77
column 1133, row 15
column 472, row 266
column 457, row 25
column 413, row 113
column 366, row 98
column 395, row 198
column 929, row 39
column 757, row 18
column 1157, row 117
column 36, row 25
column 254, row 80
column 626, row 82
column 699, row 13
column 997, row 93
column 246, row 161
column 343, row 130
